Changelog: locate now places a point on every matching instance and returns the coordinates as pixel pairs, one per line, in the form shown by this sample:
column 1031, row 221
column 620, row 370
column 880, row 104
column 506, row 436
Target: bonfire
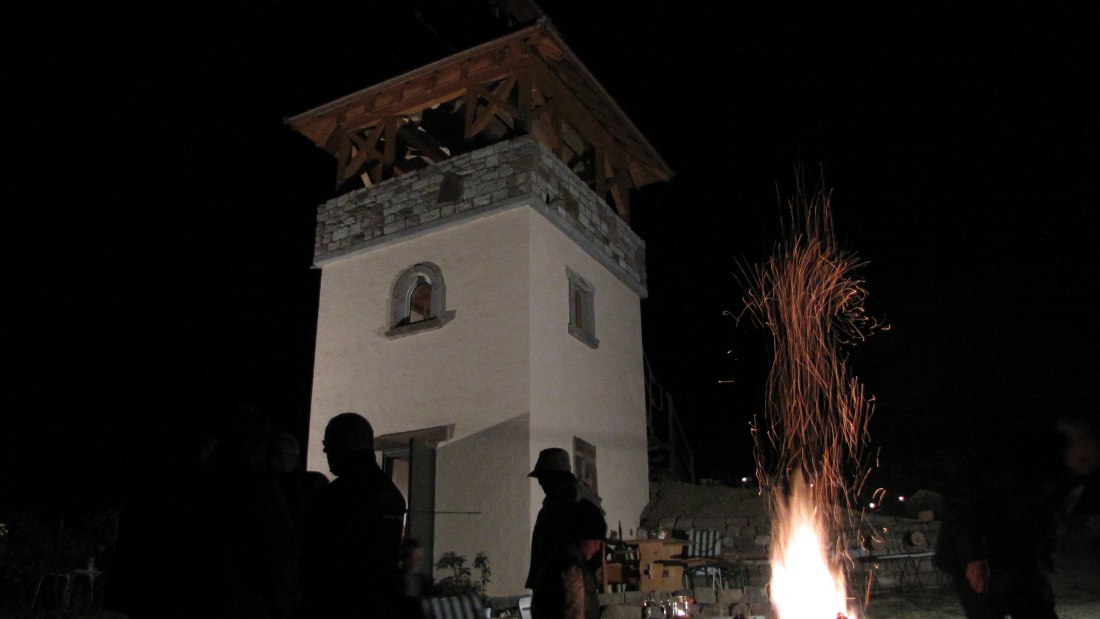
column 811, row 444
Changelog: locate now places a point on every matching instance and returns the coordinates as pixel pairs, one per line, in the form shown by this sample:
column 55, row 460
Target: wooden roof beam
column 365, row 150
column 497, row 101
column 529, row 81
column 430, row 149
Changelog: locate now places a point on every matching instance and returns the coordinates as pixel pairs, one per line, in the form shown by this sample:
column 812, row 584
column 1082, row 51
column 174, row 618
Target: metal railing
column 664, row 430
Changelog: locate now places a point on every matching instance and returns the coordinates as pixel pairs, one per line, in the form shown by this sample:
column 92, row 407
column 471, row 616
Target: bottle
column 652, row 609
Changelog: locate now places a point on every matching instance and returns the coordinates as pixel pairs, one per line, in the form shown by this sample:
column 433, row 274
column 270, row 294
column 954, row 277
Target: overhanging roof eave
column 647, row 155
column 415, row 73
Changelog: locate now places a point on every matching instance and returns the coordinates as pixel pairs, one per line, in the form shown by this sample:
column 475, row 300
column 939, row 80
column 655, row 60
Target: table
column 91, row 573
column 659, row 571
column 738, row 565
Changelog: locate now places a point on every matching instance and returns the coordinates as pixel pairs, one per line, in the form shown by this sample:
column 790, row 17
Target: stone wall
column 741, row 516
column 738, row 512
column 519, row 171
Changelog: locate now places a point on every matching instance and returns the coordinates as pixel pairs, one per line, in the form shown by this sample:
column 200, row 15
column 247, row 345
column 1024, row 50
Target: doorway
column 408, row 459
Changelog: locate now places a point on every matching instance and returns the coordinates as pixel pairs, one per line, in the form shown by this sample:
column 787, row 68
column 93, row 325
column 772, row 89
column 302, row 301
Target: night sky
column 160, row 213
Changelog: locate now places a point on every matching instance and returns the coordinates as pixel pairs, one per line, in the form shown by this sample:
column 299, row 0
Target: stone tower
column 481, row 286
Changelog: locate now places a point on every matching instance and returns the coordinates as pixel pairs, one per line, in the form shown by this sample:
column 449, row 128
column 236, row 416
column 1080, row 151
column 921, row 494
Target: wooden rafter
column 429, row 148
column 620, row 185
column 528, row 81
column 361, row 150
column 497, row 101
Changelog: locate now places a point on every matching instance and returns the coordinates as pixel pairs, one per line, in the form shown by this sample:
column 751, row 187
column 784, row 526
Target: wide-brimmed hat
column 552, row 460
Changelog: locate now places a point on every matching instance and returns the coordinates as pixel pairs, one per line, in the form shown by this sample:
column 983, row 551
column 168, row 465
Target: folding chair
column 464, row 606
column 703, row 556
column 620, row 567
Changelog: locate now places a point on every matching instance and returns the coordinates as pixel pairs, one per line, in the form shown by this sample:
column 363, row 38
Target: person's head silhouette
column 283, row 453
column 552, row 470
column 349, row 438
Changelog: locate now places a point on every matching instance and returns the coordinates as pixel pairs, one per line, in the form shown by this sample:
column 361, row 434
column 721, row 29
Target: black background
column 160, row 213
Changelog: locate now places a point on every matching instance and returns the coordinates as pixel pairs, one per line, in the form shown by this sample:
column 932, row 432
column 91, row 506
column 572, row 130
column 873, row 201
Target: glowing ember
column 816, row 416
column 803, row 585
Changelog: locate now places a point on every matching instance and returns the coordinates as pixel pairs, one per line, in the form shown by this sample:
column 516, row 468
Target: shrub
column 460, row 580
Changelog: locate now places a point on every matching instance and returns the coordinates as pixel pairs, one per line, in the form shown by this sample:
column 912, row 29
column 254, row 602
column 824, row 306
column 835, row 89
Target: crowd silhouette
column 234, row 526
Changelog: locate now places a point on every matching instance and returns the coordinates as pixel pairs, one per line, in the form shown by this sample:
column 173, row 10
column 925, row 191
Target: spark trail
column 816, row 413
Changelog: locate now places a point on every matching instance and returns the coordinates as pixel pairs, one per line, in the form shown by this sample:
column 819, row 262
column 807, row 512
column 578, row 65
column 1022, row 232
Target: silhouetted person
column 568, row 502
column 415, row 584
column 565, row 587
column 999, row 527
column 207, row 533
column 252, row 553
column 161, row 561
column 284, row 461
column 353, row 530
column 1081, row 458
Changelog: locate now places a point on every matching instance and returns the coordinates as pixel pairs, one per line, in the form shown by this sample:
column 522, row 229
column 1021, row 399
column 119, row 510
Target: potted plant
column 460, row 579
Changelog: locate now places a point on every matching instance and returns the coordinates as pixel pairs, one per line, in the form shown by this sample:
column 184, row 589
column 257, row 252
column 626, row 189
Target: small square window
column 582, row 313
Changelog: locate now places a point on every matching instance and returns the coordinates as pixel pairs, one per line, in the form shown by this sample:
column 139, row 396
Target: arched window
column 418, row 301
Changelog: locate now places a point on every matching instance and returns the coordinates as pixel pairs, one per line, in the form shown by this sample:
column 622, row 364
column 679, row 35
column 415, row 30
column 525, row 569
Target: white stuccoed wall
column 505, row 370
column 472, row 372
column 595, row 394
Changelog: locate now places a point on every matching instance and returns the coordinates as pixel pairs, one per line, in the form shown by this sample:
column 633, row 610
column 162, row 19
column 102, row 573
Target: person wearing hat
column 568, row 503
column 566, row 585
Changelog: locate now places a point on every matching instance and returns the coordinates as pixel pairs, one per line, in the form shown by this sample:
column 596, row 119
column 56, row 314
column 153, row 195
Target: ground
column 1076, row 586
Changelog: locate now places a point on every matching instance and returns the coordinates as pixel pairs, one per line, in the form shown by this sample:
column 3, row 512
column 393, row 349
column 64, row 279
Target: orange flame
column 803, row 585
column 816, row 415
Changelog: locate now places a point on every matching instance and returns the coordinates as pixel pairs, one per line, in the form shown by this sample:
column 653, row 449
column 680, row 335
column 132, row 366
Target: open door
column 422, row 498
column 409, row 460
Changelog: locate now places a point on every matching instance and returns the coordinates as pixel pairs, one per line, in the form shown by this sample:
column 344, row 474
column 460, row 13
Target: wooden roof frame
column 527, row 82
